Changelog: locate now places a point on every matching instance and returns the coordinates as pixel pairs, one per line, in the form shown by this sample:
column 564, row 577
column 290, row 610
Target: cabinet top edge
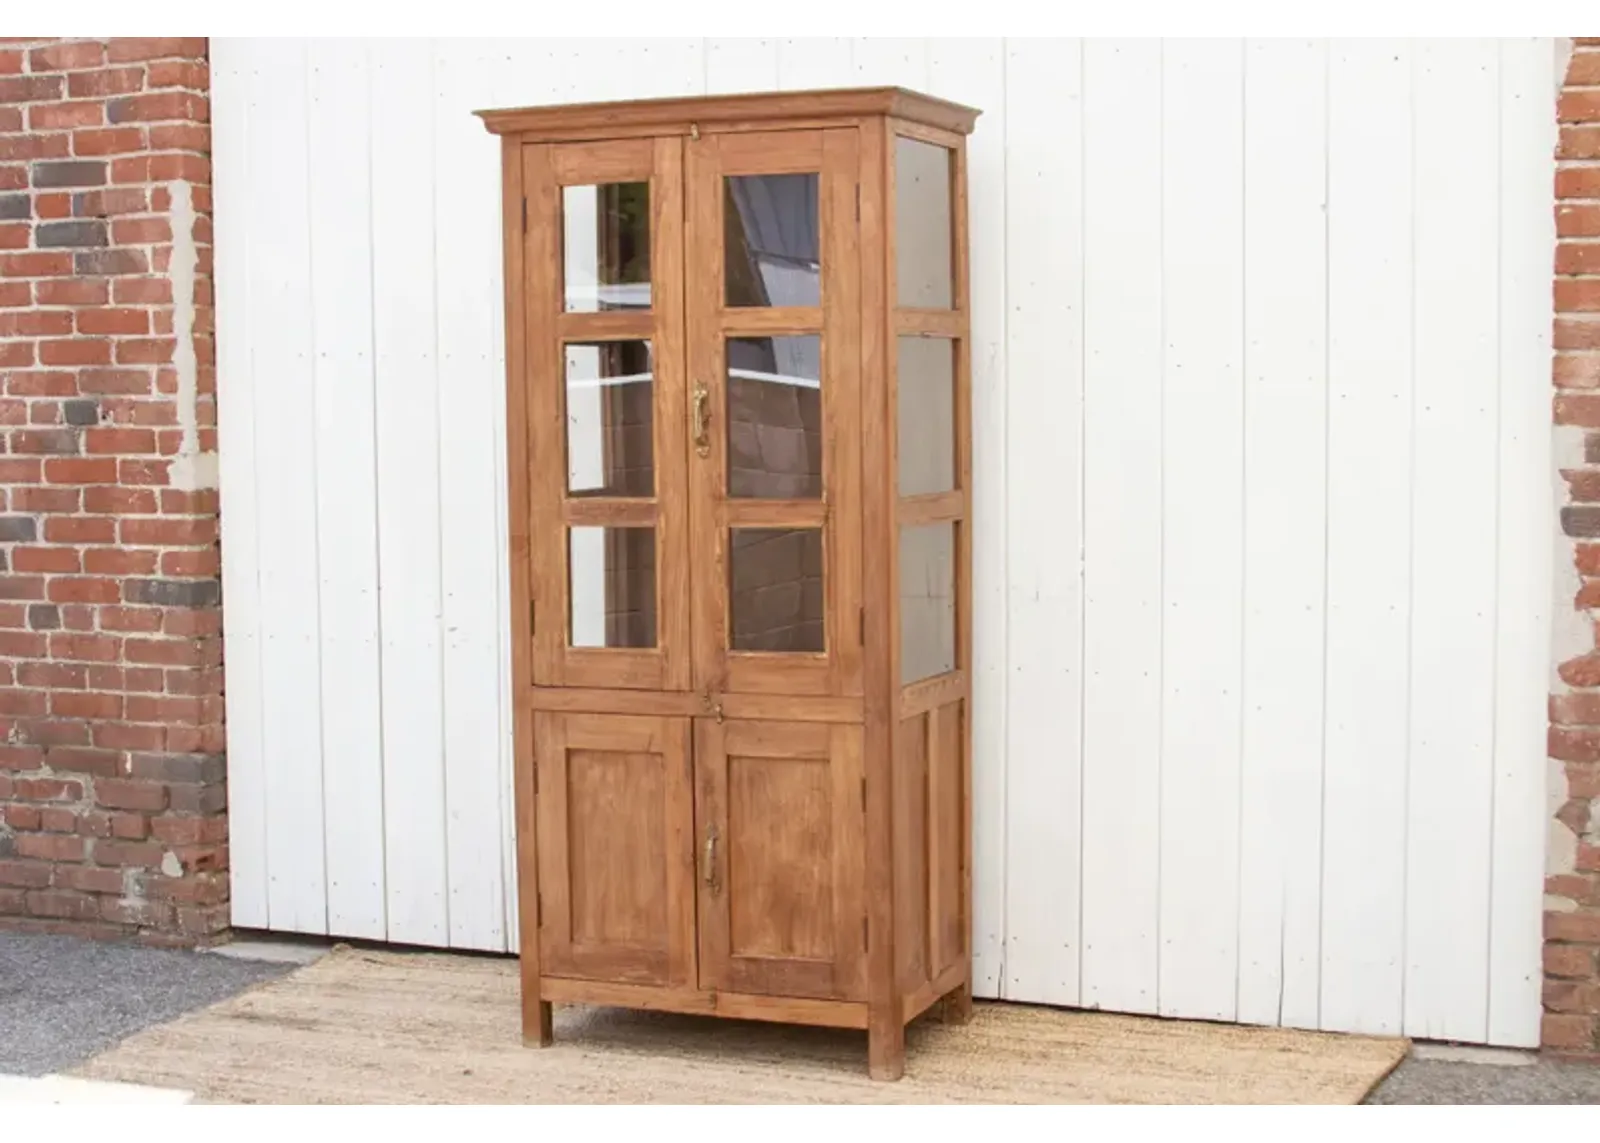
column 675, row 115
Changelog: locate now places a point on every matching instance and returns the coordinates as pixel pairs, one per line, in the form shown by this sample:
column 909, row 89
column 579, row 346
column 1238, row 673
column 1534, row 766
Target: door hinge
column 863, row 795
column 532, row 618
column 865, row 942
column 536, row 778
column 862, row 623
column 538, row 910
column 858, row 202
column 524, row 214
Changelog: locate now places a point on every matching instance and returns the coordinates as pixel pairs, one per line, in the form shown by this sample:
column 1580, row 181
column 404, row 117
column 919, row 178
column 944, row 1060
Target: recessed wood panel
column 779, row 815
column 780, row 898
column 911, row 851
column 616, row 843
column 946, row 793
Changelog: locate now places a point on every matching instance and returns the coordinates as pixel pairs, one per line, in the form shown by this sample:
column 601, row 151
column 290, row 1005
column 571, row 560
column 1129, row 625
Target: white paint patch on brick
column 1563, row 49
column 191, row 468
column 1571, row 634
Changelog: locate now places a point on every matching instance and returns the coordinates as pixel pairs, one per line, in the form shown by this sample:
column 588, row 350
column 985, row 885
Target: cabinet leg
column 956, row 1007
column 886, row 1050
column 537, row 1024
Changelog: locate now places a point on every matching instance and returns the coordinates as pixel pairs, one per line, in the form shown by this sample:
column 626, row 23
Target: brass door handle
column 702, row 420
column 713, row 883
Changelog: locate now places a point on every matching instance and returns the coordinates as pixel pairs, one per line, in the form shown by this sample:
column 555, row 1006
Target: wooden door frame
column 555, row 736
column 834, row 155
column 546, row 327
column 838, row 747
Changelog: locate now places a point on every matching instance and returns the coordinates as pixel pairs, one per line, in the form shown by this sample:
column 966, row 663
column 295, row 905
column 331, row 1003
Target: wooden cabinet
column 738, row 387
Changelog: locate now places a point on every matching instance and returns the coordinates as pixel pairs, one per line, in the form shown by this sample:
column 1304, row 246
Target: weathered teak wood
column 736, row 793
column 729, row 112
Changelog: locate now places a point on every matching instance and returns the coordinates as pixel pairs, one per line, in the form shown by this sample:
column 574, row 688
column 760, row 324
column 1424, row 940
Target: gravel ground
column 62, row 1000
column 1436, row 1081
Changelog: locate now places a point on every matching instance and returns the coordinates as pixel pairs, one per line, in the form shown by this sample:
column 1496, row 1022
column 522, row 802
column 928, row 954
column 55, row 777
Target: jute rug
column 381, row 1027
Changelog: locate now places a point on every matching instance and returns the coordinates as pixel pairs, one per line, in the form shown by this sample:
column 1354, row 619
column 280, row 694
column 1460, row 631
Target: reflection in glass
column 775, row 589
column 612, row 586
column 927, row 443
column 922, row 224
column 771, row 240
column 609, row 419
column 606, row 247
column 775, row 417
column 927, row 601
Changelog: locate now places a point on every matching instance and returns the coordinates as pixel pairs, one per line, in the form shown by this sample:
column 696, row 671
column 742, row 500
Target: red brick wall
column 1572, row 889
column 112, row 792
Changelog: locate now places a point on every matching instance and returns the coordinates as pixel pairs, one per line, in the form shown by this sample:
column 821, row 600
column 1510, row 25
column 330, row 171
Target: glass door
column 604, row 279
column 773, row 358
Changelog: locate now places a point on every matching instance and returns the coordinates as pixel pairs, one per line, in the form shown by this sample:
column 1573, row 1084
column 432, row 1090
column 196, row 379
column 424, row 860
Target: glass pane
column 922, row 237
column 927, row 415
column 927, row 601
column 775, row 589
column 612, row 580
column 775, row 417
column 610, row 390
column 770, row 227
column 606, row 247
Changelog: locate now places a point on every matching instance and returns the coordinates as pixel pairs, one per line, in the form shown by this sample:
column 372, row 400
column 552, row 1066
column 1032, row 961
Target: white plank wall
column 1285, row 551
column 1260, row 354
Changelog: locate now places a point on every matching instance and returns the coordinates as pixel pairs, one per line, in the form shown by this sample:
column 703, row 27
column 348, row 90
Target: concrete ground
column 63, row 1000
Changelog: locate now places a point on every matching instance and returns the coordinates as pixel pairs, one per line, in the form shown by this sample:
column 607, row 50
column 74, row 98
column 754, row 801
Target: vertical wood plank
column 526, row 742
column 711, row 811
column 880, row 668
column 1044, row 521
column 1526, row 518
column 849, row 860
column 234, row 96
column 1285, row 463
column 670, row 270
column 340, row 290
column 1369, row 534
column 734, row 66
column 470, row 386
column 291, row 701
column 1122, row 525
column 973, row 72
column 503, row 226
column 814, row 62
column 1202, row 506
column 545, row 480
column 1453, row 498
column 635, row 67
column 841, row 316
column 410, row 601
column 677, row 755
column 702, row 300
column 887, row 60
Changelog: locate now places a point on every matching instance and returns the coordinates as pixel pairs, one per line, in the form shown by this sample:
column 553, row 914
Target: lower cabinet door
column 616, row 848
column 781, row 837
